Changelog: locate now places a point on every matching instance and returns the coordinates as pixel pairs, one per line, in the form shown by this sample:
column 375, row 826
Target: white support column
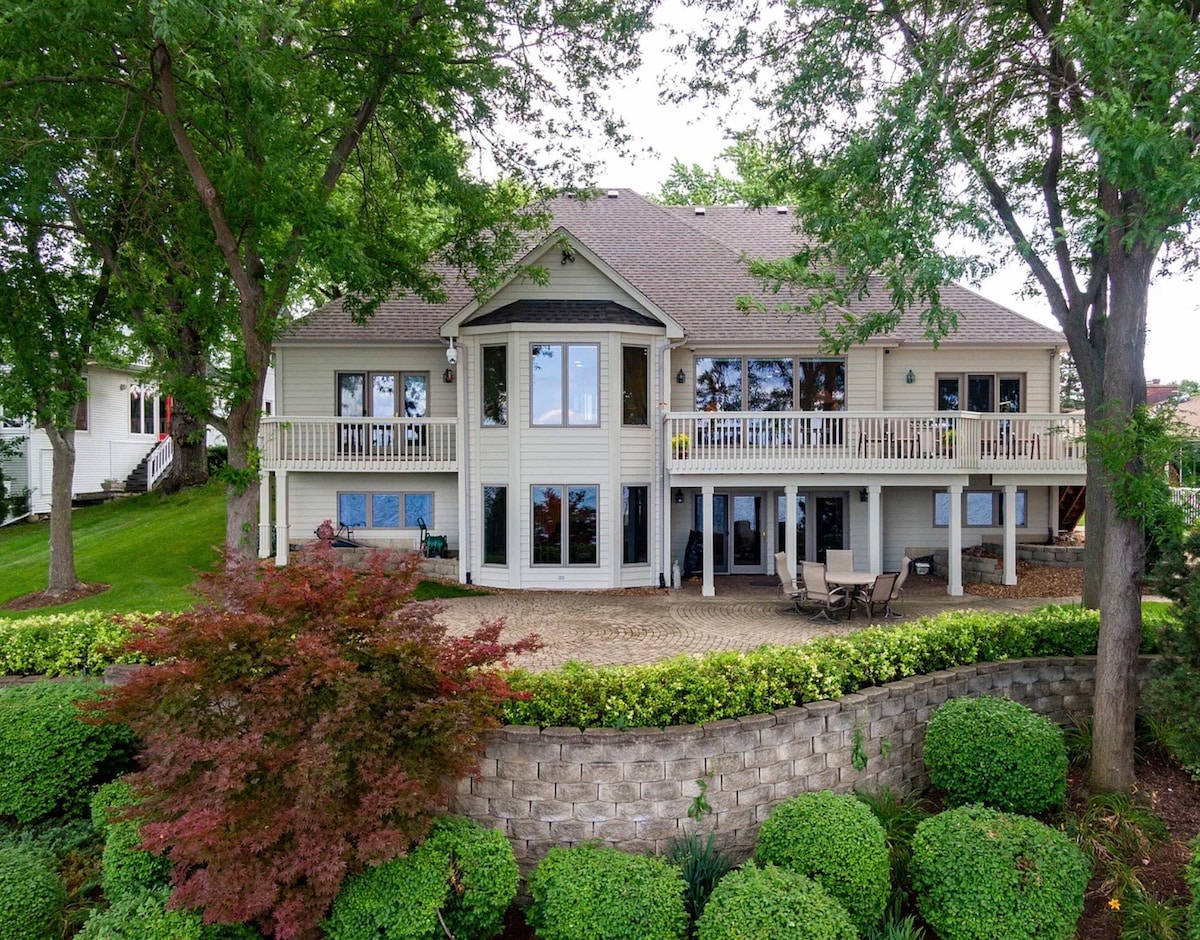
column 1010, row 534
column 264, row 514
column 709, row 588
column 875, row 528
column 281, row 518
column 1053, row 494
column 954, row 576
column 789, row 540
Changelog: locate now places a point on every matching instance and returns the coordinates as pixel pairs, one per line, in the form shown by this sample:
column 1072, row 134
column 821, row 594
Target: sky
column 693, row 134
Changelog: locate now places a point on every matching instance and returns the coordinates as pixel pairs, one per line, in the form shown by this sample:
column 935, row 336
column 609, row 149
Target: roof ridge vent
column 613, row 193
column 700, row 210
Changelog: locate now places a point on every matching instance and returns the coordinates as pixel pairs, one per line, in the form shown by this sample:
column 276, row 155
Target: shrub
column 694, row 690
column 1191, row 875
column 31, row 896
column 835, row 840
column 983, row 875
column 72, row 644
column 340, row 709
column 145, row 917
column 702, row 865
column 126, row 869
column 996, row 752
column 49, row 758
column 590, row 892
column 772, row 902
column 463, row 872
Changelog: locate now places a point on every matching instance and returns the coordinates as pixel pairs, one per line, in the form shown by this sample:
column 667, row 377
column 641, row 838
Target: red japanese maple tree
column 302, row 722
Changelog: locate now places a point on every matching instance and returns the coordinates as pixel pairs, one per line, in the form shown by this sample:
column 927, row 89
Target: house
column 121, row 435
column 580, row 430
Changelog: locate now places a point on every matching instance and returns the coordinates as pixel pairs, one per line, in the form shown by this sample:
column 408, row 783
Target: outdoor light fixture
column 863, row 495
column 680, row 377
column 448, row 375
column 911, row 377
column 679, row 497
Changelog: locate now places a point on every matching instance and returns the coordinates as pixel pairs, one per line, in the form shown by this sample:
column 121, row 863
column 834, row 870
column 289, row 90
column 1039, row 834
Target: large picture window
column 985, row 393
column 981, row 508
column 564, row 525
column 495, row 525
column 385, row 510
column 635, row 525
column 779, row 384
column 495, row 386
column 635, row 385
column 564, row 384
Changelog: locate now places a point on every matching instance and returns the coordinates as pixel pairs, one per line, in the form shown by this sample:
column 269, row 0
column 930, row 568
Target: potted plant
column 680, row 445
column 113, row 485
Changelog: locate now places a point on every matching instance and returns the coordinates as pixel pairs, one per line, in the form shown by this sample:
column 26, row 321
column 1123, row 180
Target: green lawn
column 147, row 547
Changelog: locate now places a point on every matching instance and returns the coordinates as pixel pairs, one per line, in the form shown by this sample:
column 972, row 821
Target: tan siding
column 926, row 364
column 862, row 378
column 307, row 384
column 578, row 280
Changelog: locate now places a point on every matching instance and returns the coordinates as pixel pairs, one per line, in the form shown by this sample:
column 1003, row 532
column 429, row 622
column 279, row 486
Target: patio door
column 720, row 529
column 748, row 545
column 830, row 523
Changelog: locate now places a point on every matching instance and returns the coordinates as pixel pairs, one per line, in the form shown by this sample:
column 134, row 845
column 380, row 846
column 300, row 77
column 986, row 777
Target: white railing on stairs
column 159, row 462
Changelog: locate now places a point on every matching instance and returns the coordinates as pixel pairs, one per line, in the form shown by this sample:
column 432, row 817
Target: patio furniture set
column 835, row 586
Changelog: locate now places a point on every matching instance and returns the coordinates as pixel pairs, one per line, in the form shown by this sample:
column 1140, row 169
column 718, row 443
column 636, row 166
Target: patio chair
column 830, row 600
column 897, row 591
column 879, row 593
column 787, row 584
column 839, row 559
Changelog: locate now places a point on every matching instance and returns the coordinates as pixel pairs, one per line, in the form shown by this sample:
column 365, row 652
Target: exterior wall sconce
column 680, row 378
column 679, row 497
column 911, row 377
column 863, row 495
column 448, row 375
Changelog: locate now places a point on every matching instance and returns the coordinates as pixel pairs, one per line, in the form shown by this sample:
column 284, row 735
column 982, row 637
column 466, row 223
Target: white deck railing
column 160, row 461
column 359, row 444
column 885, row 441
column 1189, row 499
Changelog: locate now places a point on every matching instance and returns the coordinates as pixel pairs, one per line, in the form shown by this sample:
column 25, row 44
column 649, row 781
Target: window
column 981, row 508
column 564, row 385
column 981, row 393
column 564, row 530
column 495, row 525
column 635, row 385
column 147, row 410
column 734, row 384
column 635, row 525
column 381, row 395
column 385, row 510
column 495, row 386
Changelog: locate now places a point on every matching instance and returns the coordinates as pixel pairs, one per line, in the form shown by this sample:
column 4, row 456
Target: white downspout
column 464, row 464
column 660, row 462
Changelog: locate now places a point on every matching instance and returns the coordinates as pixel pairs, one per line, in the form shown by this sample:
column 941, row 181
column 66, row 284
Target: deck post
column 875, row 527
column 1010, row 534
column 264, row 514
column 789, row 539
column 709, row 588
column 954, row 585
column 281, row 518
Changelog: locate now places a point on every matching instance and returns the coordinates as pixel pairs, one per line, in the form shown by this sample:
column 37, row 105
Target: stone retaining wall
column 633, row 789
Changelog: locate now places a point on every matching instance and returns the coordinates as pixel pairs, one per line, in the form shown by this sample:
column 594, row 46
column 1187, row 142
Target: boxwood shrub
column 998, row 753
column 983, row 875
column 591, row 892
column 694, row 690
column 772, row 902
column 836, row 840
column 125, row 869
column 31, row 895
column 50, row 760
column 145, row 917
column 463, row 871
column 81, row 643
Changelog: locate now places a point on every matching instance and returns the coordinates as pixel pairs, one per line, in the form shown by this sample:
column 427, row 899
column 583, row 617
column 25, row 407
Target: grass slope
column 148, row 547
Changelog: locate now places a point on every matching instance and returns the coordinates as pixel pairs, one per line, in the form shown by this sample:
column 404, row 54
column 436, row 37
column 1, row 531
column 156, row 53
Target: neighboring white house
column 121, row 436
column 588, row 425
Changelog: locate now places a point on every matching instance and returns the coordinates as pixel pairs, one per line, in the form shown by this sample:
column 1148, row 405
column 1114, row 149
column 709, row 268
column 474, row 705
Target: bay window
column 564, row 525
column 564, row 384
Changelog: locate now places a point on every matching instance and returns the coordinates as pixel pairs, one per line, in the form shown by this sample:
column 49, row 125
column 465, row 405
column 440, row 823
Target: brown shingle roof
column 689, row 265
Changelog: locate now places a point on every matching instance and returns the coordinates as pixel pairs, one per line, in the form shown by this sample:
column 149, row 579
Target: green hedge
column 983, row 875
column 591, row 892
column 63, row 644
column 145, row 917
column 31, row 895
column 694, row 690
column 50, row 760
column 772, row 902
column 996, row 752
column 125, row 869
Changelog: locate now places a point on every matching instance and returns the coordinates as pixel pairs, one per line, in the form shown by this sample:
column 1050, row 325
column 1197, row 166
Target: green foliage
column 145, row 917
column 1145, row 917
column 898, row 928
column 1117, row 834
column 463, row 875
column 126, row 869
column 591, row 892
column 996, row 752
column 694, row 690
column 80, row 643
column 835, row 840
column 31, row 895
column 983, row 875
column 772, row 902
column 702, row 865
column 899, row 815
column 1191, row 875
column 50, row 760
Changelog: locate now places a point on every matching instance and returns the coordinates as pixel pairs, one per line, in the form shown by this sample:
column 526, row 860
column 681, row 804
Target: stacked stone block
column 634, row 788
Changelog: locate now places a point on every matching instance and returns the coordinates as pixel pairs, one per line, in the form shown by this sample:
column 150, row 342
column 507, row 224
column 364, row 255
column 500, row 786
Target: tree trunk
column 62, row 544
column 1124, row 389
column 190, row 466
column 1095, row 527
column 241, row 501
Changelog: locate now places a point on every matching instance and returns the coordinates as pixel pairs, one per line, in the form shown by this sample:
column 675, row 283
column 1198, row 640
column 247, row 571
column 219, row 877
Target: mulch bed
column 43, row 599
